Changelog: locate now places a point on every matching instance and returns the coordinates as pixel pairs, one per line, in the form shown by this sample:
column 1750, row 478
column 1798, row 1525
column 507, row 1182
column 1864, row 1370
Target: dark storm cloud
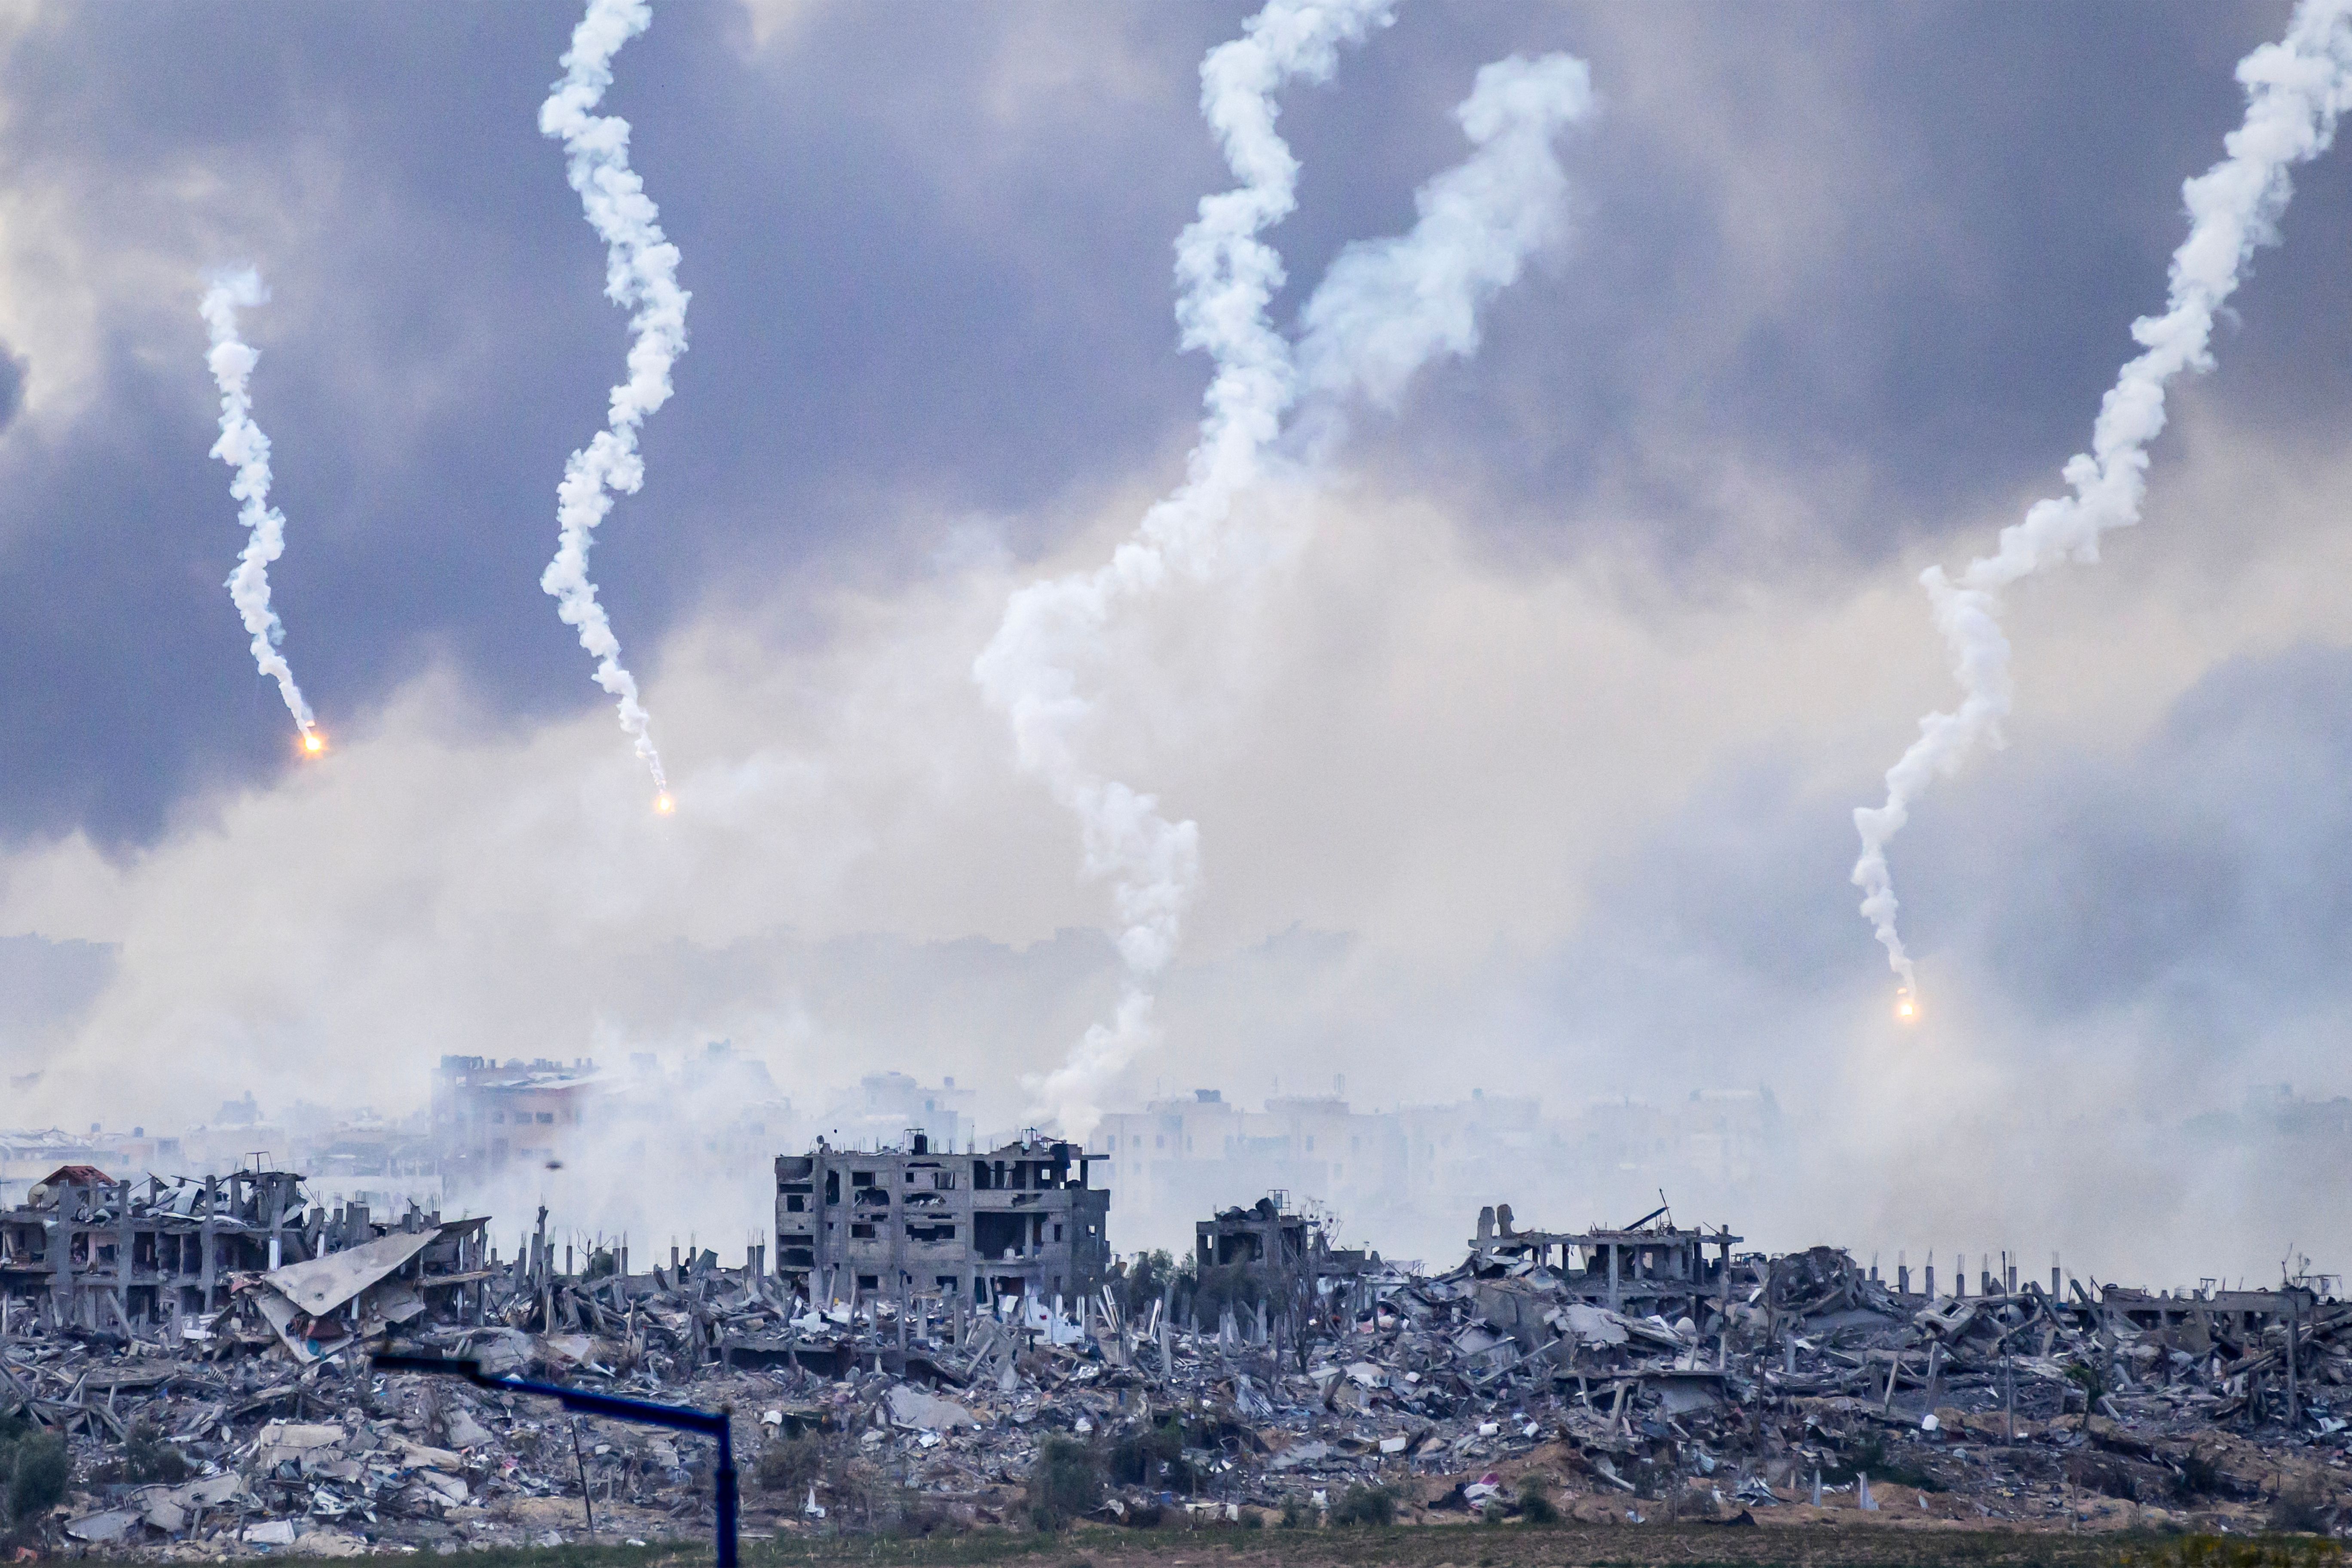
column 864, row 328
column 1889, row 256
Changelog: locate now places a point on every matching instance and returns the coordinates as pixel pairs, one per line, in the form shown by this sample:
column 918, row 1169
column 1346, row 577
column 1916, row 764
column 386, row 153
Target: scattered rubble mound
column 1525, row 1388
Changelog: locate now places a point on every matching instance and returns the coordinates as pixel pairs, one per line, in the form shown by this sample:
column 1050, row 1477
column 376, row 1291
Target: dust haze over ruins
column 1520, row 730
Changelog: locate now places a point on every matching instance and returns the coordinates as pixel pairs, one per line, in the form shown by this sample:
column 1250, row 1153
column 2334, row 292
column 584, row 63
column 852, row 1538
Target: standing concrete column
column 61, row 1269
column 207, row 1259
column 124, row 1243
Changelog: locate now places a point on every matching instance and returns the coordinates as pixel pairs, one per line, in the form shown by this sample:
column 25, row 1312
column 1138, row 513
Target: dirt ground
column 1790, row 1544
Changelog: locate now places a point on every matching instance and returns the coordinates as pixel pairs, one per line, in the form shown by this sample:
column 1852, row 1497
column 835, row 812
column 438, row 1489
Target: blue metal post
column 588, row 1402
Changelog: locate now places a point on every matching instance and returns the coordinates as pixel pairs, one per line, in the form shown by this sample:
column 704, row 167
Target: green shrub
column 790, row 1465
column 2198, row 1477
column 2300, row 1509
column 38, row 1469
column 145, row 1458
column 1063, row 1484
column 1294, row 1514
column 1153, row 1459
column 1869, row 1458
column 1365, row 1505
column 1535, row 1502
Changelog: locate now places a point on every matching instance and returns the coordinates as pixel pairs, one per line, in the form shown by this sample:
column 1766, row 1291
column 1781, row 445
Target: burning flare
column 314, row 743
column 664, row 805
column 640, row 274
column 2295, row 91
column 1905, row 1008
column 245, row 448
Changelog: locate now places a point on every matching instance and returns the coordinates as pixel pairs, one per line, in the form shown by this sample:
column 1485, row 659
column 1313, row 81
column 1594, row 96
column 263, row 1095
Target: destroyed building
column 84, row 1251
column 1649, row 1267
column 1021, row 1220
column 1265, row 1245
column 1737, row 1388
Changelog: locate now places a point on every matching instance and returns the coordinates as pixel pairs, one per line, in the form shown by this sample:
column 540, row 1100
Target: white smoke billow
column 1383, row 310
column 244, row 448
column 2295, row 90
column 1389, row 306
column 640, row 275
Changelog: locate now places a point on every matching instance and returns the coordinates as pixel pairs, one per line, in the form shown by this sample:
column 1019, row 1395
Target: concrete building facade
column 1020, row 1220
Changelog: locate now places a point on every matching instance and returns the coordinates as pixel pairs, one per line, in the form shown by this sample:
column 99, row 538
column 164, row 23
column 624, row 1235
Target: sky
column 1528, row 762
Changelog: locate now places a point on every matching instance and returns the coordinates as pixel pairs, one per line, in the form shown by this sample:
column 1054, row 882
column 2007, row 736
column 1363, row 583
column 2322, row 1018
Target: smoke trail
column 641, row 274
column 244, row 448
column 2294, row 91
column 1225, row 276
column 1389, row 306
column 1382, row 311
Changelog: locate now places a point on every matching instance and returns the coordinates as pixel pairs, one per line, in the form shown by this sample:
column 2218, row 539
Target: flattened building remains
column 85, row 1252
column 893, row 1224
column 1640, row 1371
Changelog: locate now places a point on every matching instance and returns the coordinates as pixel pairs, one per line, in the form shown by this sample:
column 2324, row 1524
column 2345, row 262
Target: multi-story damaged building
column 1651, row 1265
column 1021, row 1220
column 1265, row 1245
column 87, row 1251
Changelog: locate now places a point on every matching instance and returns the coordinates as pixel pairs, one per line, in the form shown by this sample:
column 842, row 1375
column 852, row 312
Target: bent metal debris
column 201, row 1348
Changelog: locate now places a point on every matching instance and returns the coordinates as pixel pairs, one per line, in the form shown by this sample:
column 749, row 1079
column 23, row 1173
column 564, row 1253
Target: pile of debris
column 1613, row 1375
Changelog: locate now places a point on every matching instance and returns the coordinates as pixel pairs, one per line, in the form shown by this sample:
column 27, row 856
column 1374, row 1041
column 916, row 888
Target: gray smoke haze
column 1523, row 762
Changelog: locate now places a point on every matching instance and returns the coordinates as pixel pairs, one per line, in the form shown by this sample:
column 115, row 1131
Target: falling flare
column 244, row 448
column 641, row 274
column 663, row 806
column 1905, row 1008
column 314, row 743
column 2295, row 91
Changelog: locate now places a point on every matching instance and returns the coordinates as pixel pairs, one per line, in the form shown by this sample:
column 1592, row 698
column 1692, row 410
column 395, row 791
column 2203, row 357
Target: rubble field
column 1791, row 1408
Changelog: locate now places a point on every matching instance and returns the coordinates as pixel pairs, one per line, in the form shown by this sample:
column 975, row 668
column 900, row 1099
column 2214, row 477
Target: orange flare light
column 313, row 742
column 1905, row 1008
column 664, row 805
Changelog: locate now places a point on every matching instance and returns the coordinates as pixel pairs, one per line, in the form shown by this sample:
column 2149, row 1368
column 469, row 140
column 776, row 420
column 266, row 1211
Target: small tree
column 1063, row 1484
column 34, row 1470
column 1152, row 1458
column 790, row 1465
column 1365, row 1505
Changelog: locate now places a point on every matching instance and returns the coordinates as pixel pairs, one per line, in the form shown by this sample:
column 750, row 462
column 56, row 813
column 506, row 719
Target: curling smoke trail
column 1227, row 275
column 244, row 448
column 1382, row 311
column 641, row 274
column 2295, row 90
column 1389, row 306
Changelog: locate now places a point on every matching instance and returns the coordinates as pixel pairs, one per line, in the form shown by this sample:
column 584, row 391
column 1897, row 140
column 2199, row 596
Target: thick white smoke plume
column 244, row 448
column 1389, row 306
column 2295, row 90
column 1383, row 310
column 640, row 274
